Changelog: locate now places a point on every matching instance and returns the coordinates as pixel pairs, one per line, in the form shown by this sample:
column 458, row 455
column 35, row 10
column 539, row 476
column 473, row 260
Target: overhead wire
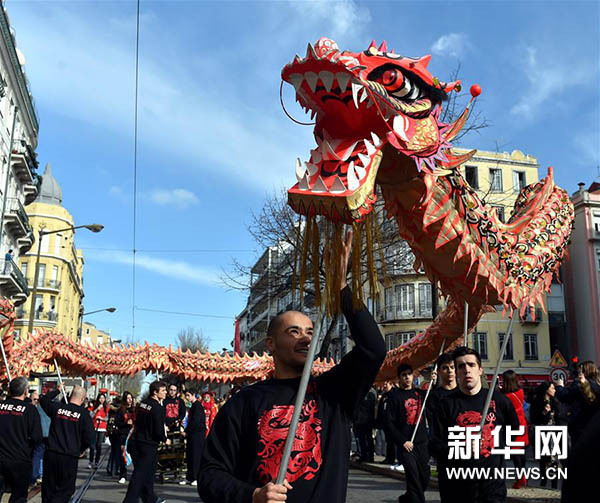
column 135, row 144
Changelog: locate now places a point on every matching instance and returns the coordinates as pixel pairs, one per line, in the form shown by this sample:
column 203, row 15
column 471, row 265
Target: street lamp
column 81, row 315
column 42, row 233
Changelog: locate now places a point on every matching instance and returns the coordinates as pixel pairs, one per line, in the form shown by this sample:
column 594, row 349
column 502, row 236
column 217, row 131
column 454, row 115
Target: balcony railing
column 20, row 221
column 393, row 312
column 53, row 284
column 23, row 161
column 10, row 268
column 41, row 315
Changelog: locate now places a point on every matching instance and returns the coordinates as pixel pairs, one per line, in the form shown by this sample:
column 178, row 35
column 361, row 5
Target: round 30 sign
column 557, row 374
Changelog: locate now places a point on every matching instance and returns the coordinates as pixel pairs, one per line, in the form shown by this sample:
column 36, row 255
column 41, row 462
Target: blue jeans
column 38, row 462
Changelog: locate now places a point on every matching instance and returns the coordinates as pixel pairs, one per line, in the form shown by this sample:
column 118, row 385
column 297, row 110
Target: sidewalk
column 524, row 495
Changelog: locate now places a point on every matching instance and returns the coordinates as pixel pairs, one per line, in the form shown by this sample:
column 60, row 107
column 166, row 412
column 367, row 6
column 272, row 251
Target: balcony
column 31, row 190
column 528, row 316
column 25, row 243
column 47, row 284
column 398, row 313
column 41, row 317
column 12, row 281
column 23, row 162
column 17, row 220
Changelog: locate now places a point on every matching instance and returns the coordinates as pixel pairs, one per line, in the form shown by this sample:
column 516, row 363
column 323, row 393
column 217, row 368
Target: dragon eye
column 392, row 79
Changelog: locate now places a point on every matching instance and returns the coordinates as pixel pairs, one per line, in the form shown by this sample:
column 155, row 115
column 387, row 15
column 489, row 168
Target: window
column 395, row 340
column 531, row 347
column 518, row 181
column 471, row 176
column 480, row 344
column 508, row 354
column 425, row 299
column 389, row 304
column 495, row 180
column 57, row 244
column 24, row 269
column 41, row 275
column 405, row 298
column 500, row 213
column 44, row 243
column 54, row 280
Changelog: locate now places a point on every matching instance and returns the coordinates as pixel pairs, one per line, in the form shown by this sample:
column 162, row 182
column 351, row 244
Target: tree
column 192, row 339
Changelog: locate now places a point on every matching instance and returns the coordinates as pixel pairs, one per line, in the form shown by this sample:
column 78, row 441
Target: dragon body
column 377, row 124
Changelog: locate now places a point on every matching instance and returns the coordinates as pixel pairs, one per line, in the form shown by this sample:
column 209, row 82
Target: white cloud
column 172, row 269
column 452, row 44
column 179, row 198
column 341, row 18
column 547, row 79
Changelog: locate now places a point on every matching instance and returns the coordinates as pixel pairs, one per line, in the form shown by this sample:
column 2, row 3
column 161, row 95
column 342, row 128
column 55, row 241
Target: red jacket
column 518, row 399
column 100, row 418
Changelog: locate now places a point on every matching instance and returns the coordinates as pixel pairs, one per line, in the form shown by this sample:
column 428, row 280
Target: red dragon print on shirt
column 473, row 418
column 412, row 406
column 172, row 410
column 306, row 458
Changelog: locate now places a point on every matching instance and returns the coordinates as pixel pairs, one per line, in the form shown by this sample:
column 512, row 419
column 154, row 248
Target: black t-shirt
column 436, row 395
column 150, row 422
column 402, row 411
column 71, row 427
column 459, row 409
column 244, row 448
column 20, row 430
column 196, row 419
column 174, row 410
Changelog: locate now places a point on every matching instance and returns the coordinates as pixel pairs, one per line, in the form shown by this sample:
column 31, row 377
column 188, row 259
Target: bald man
column 71, row 433
column 245, row 445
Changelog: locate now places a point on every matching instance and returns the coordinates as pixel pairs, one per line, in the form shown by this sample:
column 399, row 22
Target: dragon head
column 364, row 103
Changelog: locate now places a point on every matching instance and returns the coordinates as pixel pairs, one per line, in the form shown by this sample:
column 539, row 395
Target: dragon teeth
column 364, row 95
column 355, row 88
column 370, row 148
column 365, row 159
column 337, row 186
column 304, row 183
column 310, row 52
column 319, row 186
column 327, row 79
column 376, row 140
column 315, row 156
column 296, row 79
column 353, row 181
column 343, row 79
column 311, row 79
column 400, row 127
column 312, row 168
column 360, row 171
column 300, row 171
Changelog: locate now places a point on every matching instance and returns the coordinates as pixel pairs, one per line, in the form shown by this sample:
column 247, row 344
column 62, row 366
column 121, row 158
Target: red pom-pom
column 475, row 90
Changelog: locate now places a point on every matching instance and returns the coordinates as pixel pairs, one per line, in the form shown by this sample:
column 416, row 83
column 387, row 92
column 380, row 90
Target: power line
column 135, row 143
column 191, row 250
column 184, row 314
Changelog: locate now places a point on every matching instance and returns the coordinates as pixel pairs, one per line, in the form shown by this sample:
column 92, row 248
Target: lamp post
column 42, row 233
column 81, row 315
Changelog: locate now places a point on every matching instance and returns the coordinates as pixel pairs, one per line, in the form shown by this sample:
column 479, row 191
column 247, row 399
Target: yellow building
column 404, row 309
column 92, row 335
column 59, row 295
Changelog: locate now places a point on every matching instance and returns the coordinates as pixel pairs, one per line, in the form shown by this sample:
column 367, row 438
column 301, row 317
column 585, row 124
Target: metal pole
column 412, row 438
column 35, row 282
column 60, row 379
column 4, row 354
column 466, row 329
column 289, row 441
column 488, row 398
column 12, row 136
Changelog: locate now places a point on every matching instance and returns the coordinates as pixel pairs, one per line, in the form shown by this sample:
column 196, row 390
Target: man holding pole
column 463, row 408
column 245, row 448
column 403, row 411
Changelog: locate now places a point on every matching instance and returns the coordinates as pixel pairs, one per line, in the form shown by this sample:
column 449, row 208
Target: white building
column 18, row 165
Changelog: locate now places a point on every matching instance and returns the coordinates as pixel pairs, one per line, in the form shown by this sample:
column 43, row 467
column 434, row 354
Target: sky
column 213, row 142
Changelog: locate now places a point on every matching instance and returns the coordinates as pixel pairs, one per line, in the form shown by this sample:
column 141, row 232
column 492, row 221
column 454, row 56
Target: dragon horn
column 424, row 61
column 373, row 45
column 383, row 48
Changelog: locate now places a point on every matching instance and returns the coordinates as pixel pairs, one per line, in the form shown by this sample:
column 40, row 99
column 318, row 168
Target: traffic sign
column 557, row 374
column 558, row 360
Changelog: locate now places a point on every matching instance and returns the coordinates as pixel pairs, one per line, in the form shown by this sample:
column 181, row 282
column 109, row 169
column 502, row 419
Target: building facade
column 18, row 165
column 90, row 334
column 582, row 275
column 59, row 296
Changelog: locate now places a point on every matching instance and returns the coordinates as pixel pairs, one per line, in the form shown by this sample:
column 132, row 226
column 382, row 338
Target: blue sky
column 213, row 141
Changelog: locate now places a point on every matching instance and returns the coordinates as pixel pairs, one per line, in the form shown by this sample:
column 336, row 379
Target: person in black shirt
column 244, row 448
column 123, row 423
column 195, row 435
column 403, row 409
column 363, row 426
column 391, row 451
column 446, row 384
column 149, row 430
column 20, row 433
column 463, row 407
column 174, row 409
column 71, row 433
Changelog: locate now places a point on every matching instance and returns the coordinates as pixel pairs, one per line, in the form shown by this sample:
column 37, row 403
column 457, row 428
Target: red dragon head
column 364, row 103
